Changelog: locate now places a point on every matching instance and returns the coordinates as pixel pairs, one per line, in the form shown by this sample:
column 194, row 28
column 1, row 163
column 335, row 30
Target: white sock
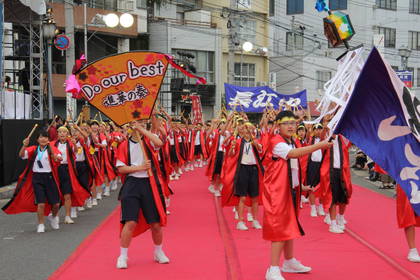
column 124, row 252
column 158, row 247
column 289, row 260
column 313, row 207
column 413, row 251
column 274, row 269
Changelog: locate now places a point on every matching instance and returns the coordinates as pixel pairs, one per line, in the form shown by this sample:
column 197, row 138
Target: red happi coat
column 107, row 169
column 123, row 154
column 280, row 222
column 212, row 152
column 406, row 216
column 208, row 142
column 181, row 160
column 265, row 142
column 231, row 174
column 326, row 169
column 23, row 199
column 191, row 156
column 79, row 194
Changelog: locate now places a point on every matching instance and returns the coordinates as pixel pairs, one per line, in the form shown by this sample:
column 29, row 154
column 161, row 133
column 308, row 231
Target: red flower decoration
column 138, row 104
column 92, row 70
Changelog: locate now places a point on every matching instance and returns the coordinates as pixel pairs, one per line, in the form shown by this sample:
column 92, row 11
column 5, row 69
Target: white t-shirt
column 171, row 138
column 63, row 150
column 248, row 157
column 45, row 161
column 336, row 149
column 137, row 158
column 197, row 138
column 282, row 150
column 80, row 155
column 317, row 155
column 221, row 140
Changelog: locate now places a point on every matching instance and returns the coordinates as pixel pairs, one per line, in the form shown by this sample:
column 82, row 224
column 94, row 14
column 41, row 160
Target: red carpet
column 370, row 216
column 191, row 241
column 202, row 243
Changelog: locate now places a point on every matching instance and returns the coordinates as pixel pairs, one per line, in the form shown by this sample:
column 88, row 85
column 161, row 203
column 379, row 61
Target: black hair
column 284, row 114
column 270, row 122
column 43, row 133
column 92, row 122
column 301, row 126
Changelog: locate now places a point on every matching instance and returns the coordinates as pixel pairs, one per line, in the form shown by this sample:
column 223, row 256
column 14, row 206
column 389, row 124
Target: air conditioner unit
column 261, row 84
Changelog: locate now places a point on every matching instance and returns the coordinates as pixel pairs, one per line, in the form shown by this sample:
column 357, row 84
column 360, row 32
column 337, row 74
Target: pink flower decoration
column 150, row 58
column 93, row 79
column 146, row 110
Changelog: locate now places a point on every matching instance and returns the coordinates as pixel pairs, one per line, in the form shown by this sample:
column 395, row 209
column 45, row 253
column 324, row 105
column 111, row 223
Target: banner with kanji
column 197, row 112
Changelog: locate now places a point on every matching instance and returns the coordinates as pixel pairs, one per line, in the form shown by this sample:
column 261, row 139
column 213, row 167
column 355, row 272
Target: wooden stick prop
column 100, row 117
column 96, row 115
column 33, row 130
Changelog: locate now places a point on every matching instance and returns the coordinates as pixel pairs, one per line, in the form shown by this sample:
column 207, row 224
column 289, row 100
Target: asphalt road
column 28, row 255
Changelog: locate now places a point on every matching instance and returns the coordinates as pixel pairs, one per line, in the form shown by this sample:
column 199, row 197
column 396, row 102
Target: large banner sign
column 256, row 99
column 125, row 86
column 382, row 118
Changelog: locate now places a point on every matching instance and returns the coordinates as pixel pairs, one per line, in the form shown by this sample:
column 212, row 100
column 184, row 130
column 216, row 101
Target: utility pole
column 232, row 38
column 293, row 35
column 71, row 105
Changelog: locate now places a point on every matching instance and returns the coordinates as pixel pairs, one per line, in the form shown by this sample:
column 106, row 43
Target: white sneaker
column 217, row 194
column 321, row 210
column 249, row 217
column 304, row 199
column 413, row 256
column 73, row 212
column 313, row 211
column 94, row 202
column 107, row 191
column 122, row 262
column 211, row 189
column 99, row 196
column 114, row 185
column 334, row 228
column 176, row 177
column 54, row 221
column 89, row 203
column 340, row 219
column 236, row 216
column 167, row 212
column 273, row 275
column 201, row 164
column 327, row 219
column 40, row 228
column 180, row 171
column 80, row 209
column 160, row 257
column 68, row 220
column 294, row 266
column 241, row 226
column 256, row 224
column 192, row 167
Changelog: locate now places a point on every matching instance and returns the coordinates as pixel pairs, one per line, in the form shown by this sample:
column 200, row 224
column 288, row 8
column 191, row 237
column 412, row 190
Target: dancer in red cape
column 37, row 188
column 282, row 187
column 336, row 187
column 142, row 199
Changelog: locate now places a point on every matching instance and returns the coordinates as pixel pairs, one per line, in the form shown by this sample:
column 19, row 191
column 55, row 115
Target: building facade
column 301, row 58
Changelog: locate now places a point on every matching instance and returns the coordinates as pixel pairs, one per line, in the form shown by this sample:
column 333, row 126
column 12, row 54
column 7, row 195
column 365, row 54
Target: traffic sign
column 62, row 42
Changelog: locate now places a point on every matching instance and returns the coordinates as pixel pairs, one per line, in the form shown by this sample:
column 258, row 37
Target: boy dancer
column 142, row 201
column 282, row 194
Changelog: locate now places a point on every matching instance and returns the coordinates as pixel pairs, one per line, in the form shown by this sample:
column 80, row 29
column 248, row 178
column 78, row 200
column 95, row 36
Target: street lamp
column 48, row 32
column 247, row 46
column 405, row 53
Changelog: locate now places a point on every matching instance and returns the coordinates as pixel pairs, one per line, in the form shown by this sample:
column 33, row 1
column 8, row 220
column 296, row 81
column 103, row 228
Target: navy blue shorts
column 45, row 188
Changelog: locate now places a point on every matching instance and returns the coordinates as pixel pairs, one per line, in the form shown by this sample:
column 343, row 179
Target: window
column 415, row 6
column 201, row 62
column 414, row 40
column 247, row 30
column 272, row 6
column 141, row 4
column 294, row 7
column 244, row 4
column 418, row 77
column 338, row 4
column 389, row 36
column 387, row 4
column 297, row 42
column 322, row 77
column 245, row 75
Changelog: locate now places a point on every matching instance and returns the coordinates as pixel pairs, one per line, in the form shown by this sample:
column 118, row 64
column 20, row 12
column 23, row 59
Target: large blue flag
column 382, row 118
column 256, row 99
